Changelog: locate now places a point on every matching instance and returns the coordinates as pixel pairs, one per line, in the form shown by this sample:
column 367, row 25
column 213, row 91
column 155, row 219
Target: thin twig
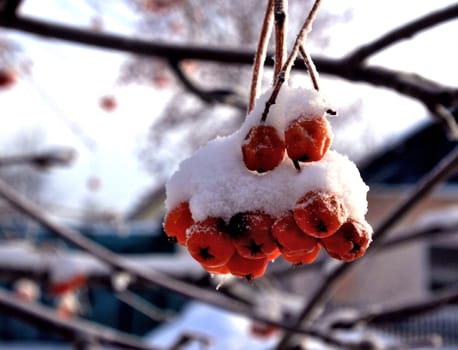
column 45, row 318
column 260, row 55
column 313, row 73
column 436, row 176
column 403, row 32
column 283, row 75
column 428, row 92
column 380, row 315
column 281, row 22
column 226, row 96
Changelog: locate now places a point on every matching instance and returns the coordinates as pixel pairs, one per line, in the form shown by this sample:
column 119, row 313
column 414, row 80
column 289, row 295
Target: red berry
column 219, row 270
column 209, row 243
column 290, row 238
column 108, row 103
column 319, row 213
column 247, row 268
column 308, row 140
column 7, row 78
column 263, row 148
column 303, row 258
column 177, row 221
column 349, row 242
column 251, row 233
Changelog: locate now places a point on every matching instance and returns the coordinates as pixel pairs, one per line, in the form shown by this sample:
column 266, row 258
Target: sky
column 61, row 95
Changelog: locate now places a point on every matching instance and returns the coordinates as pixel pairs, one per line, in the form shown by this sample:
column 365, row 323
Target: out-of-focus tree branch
column 72, row 329
column 428, row 92
column 43, row 160
column 403, row 32
column 386, row 314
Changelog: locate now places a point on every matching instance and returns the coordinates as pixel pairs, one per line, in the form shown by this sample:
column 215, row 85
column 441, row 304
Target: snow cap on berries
column 216, row 182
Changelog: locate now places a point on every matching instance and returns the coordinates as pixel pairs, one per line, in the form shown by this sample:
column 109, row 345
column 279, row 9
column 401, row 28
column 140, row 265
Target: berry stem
column 313, row 73
column 261, row 53
column 281, row 21
column 283, row 75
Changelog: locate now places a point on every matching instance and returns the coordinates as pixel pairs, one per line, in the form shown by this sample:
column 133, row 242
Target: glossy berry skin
column 252, row 236
column 177, row 221
column 209, row 243
column 218, row 270
column 303, row 258
column 290, row 238
column 319, row 213
column 247, row 268
column 308, row 140
column 263, row 148
column 349, row 242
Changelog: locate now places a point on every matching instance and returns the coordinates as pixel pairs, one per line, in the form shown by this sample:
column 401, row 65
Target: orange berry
column 303, row 258
column 218, row 270
column 319, row 213
column 251, row 233
column 263, row 148
column 209, row 243
column 247, row 268
column 349, row 242
column 290, row 238
column 177, row 221
column 308, row 140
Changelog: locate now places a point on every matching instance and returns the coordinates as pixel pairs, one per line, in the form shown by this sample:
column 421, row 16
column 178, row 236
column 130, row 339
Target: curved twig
column 412, row 85
column 404, row 32
column 226, row 96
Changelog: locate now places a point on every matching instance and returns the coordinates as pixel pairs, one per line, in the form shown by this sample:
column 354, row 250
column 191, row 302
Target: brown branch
column 260, row 55
column 281, row 21
column 380, row 315
column 45, row 318
column 282, row 76
column 404, row 32
column 430, row 93
column 313, row 73
column 43, row 160
column 225, row 96
column 430, row 181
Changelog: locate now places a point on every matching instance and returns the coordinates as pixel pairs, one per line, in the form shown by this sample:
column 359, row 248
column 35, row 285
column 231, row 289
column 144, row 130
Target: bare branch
column 310, row 67
column 260, row 55
column 225, row 96
column 380, row 315
column 46, row 319
column 282, row 76
column 428, row 92
column 404, row 32
column 43, row 160
column 281, row 21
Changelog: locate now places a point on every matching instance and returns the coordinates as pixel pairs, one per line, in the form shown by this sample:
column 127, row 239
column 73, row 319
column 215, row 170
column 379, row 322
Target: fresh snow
column 216, row 182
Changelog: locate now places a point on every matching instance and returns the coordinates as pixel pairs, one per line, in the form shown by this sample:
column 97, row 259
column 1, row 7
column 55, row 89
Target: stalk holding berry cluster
column 272, row 188
column 236, row 218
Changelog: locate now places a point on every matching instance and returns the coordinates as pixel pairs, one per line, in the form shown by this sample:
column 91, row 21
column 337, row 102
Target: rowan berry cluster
column 271, row 188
